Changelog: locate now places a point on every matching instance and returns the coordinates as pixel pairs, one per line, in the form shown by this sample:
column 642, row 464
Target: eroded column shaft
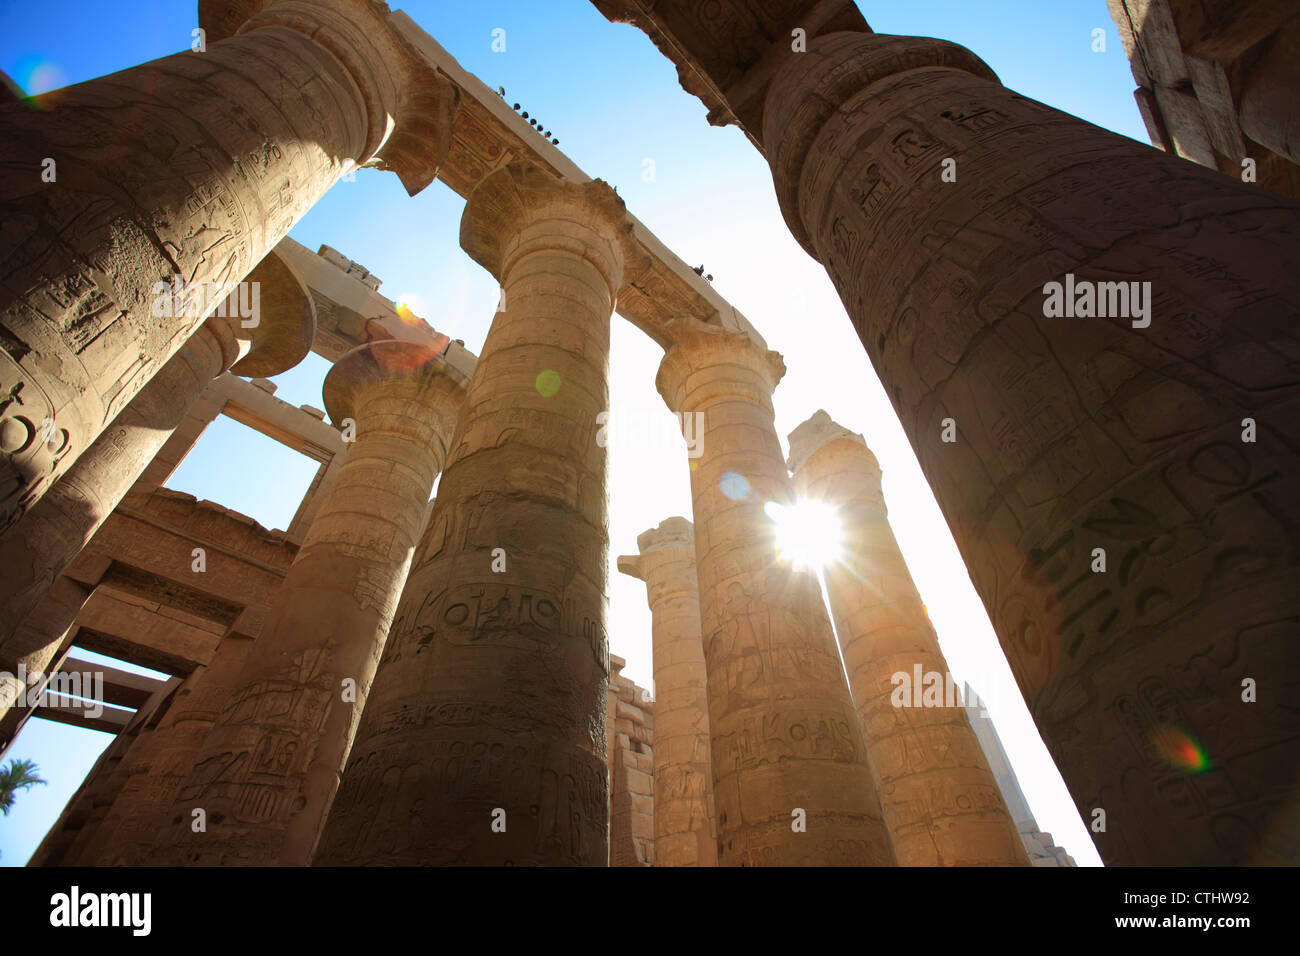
column 191, row 166
column 268, row 770
column 42, row 545
column 1079, row 433
column 684, row 819
column 940, row 801
column 484, row 739
column 790, row 778
column 160, row 763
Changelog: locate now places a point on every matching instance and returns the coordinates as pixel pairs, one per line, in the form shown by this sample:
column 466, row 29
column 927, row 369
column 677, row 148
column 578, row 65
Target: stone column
column 484, row 741
column 685, row 823
column 83, row 813
column 54, row 615
column 1084, row 433
column 160, row 763
column 267, row 772
column 941, row 802
column 785, row 735
column 194, row 165
column 49, row 537
column 1268, row 110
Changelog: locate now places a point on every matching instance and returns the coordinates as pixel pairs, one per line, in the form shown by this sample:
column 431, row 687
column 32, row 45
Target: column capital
column 504, row 219
column 286, row 320
column 672, row 542
column 393, row 369
column 410, row 104
column 824, row 452
column 812, row 87
column 707, row 362
column 674, row 532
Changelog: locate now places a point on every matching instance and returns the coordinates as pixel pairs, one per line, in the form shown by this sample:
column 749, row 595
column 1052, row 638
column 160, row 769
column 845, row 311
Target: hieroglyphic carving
column 510, row 663
column 1078, row 433
column 267, row 772
column 154, row 199
column 779, row 709
column 685, row 833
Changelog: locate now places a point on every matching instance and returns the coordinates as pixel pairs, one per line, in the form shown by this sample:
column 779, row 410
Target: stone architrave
column 190, row 168
column 684, row 820
column 268, row 770
column 484, row 740
column 940, row 801
column 36, row 550
column 1161, row 443
column 791, row 783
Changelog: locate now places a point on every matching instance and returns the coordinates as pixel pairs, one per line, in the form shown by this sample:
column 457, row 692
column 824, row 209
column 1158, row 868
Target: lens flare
column 37, row 75
column 548, row 383
column 734, row 486
column 409, row 307
column 1180, row 749
column 808, row 533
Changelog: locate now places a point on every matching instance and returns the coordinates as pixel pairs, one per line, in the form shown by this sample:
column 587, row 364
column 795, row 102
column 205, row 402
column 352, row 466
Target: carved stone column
column 1268, row 110
column 267, row 772
column 785, row 735
column 83, row 813
column 484, row 740
column 49, row 537
column 1084, row 433
column 160, row 763
column 940, row 800
column 685, row 822
column 194, row 165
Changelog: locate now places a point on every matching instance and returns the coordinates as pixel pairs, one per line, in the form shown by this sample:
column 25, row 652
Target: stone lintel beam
column 488, row 135
column 349, row 312
column 288, row 424
column 151, row 630
column 139, row 550
column 146, row 550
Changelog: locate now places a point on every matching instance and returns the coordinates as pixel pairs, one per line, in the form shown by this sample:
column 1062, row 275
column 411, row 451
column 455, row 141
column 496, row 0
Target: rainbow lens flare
column 1180, row 749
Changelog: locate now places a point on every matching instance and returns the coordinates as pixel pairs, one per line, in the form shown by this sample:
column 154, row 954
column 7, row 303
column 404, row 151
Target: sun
column 808, row 533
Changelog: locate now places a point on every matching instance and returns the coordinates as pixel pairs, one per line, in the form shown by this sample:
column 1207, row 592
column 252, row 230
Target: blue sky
column 613, row 102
